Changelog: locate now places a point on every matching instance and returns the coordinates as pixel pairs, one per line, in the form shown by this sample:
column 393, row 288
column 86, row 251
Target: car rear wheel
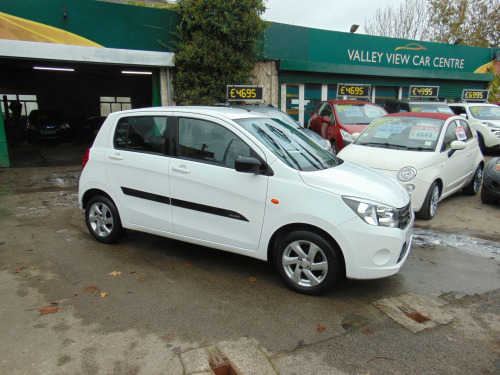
column 103, row 220
column 429, row 208
column 306, row 262
column 475, row 184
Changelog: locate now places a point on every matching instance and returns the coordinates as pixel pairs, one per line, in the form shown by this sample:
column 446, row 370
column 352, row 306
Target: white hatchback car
column 432, row 155
column 241, row 182
column 485, row 118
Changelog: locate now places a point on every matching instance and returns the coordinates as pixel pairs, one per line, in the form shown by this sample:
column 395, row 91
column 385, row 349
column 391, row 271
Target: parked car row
column 336, row 120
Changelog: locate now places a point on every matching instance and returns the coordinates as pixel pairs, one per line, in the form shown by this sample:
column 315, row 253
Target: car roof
column 349, row 101
column 475, row 104
column 221, row 112
column 414, row 101
column 438, row 116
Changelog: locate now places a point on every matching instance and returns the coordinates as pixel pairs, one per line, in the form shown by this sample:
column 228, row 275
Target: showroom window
column 29, row 102
column 111, row 104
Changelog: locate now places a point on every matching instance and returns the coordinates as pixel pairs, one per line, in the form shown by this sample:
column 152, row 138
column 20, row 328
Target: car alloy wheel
column 475, row 184
column 306, row 262
column 429, row 207
column 103, row 220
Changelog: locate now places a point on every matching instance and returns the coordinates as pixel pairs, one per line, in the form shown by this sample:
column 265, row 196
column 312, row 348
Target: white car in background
column 485, row 119
column 432, row 155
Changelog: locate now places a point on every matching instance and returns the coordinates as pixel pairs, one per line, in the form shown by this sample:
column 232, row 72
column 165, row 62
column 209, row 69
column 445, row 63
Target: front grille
column 404, row 216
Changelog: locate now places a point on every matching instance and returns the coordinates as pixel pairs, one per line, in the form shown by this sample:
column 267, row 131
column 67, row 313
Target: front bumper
column 372, row 252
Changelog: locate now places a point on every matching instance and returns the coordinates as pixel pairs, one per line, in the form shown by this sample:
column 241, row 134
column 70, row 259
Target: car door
column 458, row 164
column 211, row 201
column 137, row 168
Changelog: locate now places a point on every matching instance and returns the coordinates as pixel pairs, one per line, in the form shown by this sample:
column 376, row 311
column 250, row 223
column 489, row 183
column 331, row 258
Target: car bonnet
column 387, row 159
column 357, row 181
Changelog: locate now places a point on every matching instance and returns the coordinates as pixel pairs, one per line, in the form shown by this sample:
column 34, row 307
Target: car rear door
column 211, row 201
column 137, row 169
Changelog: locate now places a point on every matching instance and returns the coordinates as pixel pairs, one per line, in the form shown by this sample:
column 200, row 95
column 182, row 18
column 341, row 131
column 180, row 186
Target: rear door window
column 142, row 134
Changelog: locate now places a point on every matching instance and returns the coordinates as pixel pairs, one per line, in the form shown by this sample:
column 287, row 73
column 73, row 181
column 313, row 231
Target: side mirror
column 464, row 115
column 456, row 145
column 355, row 136
column 248, row 164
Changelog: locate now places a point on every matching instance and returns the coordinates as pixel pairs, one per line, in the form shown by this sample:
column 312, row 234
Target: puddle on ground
column 428, row 238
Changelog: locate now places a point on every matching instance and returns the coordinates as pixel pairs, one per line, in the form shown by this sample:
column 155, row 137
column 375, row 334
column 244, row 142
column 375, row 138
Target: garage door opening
column 77, row 99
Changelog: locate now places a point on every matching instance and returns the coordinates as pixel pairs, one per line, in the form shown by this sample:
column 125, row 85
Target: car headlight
column 496, row 167
column 346, row 136
column 374, row 213
column 407, row 174
column 64, row 126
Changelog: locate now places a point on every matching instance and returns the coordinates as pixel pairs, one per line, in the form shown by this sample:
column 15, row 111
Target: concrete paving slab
column 414, row 312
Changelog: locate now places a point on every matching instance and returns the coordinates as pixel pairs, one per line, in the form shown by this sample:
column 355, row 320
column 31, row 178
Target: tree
column 476, row 22
column 218, row 42
column 409, row 21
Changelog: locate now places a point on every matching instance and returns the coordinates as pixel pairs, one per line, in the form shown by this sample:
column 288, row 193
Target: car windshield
column 485, row 112
column 289, row 144
column 358, row 114
column 432, row 108
column 402, row 133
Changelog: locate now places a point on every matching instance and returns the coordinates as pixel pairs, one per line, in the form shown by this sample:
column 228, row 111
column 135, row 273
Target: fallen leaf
column 77, row 293
column 170, row 335
column 115, row 273
column 367, row 331
column 141, row 279
column 252, row 279
column 131, row 272
column 189, row 265
column 48, row 310
column 90, row 289
column 103, row 294
column 320, row 328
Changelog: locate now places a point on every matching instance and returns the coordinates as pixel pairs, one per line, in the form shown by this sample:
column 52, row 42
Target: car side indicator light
column 275, row 201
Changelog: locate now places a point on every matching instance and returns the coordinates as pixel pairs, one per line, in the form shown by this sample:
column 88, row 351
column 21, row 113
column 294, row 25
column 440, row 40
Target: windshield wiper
column 270, row 139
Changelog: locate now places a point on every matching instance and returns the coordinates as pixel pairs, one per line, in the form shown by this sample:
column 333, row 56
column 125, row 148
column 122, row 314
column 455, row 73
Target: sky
column 333, row 15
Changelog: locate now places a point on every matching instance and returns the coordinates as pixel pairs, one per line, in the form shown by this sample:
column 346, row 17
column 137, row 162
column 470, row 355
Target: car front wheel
column 429, row 208
column 306, row 262
column 103, row 220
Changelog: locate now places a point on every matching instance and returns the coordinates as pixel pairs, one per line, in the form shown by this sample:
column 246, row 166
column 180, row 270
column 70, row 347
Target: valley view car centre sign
column 400, row 59
column 333, row 52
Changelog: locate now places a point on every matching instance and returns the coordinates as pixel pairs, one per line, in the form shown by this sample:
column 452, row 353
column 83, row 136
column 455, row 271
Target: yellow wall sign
column 353, row 90
column 424, row 91
column 475, row 95
column 244, row 93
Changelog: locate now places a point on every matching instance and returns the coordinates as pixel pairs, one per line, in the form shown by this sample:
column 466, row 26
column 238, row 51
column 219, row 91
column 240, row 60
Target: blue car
column 490, row 192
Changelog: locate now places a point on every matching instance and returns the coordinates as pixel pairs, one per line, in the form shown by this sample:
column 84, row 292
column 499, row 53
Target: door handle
column 181, row 169
column 115, row 157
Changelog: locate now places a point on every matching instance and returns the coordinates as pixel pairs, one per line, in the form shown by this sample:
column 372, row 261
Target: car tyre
column 473, row 187
column 103, row 220
column 306, row 262
column 429, row 207
column 485, row 198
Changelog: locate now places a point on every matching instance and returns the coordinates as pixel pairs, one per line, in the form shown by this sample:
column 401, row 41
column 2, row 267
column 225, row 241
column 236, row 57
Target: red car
column 335, row 120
